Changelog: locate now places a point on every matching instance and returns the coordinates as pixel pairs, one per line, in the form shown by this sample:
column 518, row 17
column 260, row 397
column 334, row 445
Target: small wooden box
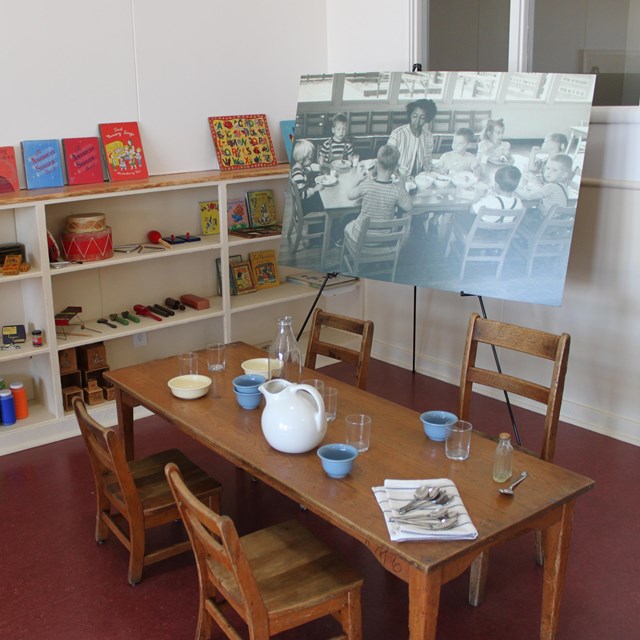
column 92, row 356
column 194, row 301
column 94, row 374
column 109, row 391
column 93, row 393
column 68, row 360
column 68, row 394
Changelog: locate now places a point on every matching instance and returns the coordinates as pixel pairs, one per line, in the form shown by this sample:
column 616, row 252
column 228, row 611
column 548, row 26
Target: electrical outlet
column 140, row 339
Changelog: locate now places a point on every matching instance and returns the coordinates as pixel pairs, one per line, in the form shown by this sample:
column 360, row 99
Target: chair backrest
column 552, row 239
column 356, row 357
column 541, row 344
column 216, row 544
column 379, row 241
column 108, row 459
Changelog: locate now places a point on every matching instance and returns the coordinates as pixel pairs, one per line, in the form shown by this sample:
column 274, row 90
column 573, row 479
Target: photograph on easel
column 459, row 181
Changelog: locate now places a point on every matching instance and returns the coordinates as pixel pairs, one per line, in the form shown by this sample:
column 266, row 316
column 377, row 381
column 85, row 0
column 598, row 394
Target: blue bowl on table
column 248, row 400
column 248, row 383
column 435, row 424
column 337, row 459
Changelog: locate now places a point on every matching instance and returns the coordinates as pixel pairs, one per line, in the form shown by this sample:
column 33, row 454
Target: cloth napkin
column 396, row 493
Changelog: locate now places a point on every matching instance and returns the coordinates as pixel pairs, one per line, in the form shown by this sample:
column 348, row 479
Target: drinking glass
column 216, row 356
column 458, row 440
column 188, row 363
column 358, row 428
column 330, row 397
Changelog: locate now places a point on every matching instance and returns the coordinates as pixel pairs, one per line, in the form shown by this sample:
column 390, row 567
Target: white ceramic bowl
column 259, row 366
column 423, row 181
column 464, row 179
column 441, row 181
column 190, row 386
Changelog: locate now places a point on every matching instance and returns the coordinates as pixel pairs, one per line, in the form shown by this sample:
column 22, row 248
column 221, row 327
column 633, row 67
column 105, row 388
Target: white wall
column 69, row 65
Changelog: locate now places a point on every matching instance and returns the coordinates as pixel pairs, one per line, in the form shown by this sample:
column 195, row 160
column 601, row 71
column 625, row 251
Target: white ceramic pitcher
column 293, row 420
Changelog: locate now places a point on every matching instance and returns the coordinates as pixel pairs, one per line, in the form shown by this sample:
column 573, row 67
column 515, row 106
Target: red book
column 122, row 147
column 83, row 160
column 8, row 170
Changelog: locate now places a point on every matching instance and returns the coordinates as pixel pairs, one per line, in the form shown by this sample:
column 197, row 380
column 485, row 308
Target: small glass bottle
column 285, row 360
column 502, row 459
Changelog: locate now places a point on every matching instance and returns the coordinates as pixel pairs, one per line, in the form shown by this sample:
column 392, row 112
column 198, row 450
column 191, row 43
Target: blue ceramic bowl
column 248, row 400
column 435, row 424
column 248, row 383
column 337, row 459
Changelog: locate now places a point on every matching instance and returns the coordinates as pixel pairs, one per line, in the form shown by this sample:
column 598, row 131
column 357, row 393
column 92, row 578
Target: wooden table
column 399, row 449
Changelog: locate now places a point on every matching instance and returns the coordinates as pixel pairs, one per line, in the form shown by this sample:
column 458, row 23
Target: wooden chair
column 275, row 579
column 133, row 496
column 486, row 239
column 377, row 248
column 300, row 223
column 359, row 358
column 539, row 344
column 550, row 240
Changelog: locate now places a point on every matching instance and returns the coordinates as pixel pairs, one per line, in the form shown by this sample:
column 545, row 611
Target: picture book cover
column 122, row 147
column 232, row 286
column 210, row 217
column 42, row 163
column 242, row 277
column 287, row 129
column 262, row 208
column 237, row 214
column 83, row 160
column 8, row 170
column 264, row 268
column 242, row 142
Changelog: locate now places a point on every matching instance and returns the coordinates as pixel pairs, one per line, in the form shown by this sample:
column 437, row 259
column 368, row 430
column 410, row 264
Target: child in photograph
column 338, row 146
column 302, row 156
column 380, row 195
column 552, row 144
column 506, row 181
column 459, row 158
column 492, row 148
column 557, row 174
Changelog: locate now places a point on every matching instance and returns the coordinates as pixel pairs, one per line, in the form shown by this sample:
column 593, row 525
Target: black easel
column 331, row 274
column 499, row 368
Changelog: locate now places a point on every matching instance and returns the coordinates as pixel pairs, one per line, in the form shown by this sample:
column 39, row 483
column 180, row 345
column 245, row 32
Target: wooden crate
column 68, row 394
column 92, row 356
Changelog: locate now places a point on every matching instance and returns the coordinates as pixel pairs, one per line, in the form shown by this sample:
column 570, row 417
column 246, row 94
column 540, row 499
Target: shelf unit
column 169, row 204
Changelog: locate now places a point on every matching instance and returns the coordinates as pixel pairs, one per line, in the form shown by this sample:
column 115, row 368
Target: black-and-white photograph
column 459, row 181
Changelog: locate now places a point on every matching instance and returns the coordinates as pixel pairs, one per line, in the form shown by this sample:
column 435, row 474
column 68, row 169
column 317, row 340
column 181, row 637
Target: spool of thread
column 20, row 400
column 7, row 408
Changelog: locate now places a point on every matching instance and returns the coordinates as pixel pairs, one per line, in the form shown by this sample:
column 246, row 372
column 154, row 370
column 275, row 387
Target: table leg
column 326, row 239
column 125, row 422
column 424, row 601
column 557, row 539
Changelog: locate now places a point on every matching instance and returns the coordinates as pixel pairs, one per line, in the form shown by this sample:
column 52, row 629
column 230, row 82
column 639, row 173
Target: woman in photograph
column 414, row 140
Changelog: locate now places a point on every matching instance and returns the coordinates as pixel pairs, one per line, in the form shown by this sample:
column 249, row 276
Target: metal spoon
column 431, row 525
column 423, row 492
column 440, row 498
column 509, row 490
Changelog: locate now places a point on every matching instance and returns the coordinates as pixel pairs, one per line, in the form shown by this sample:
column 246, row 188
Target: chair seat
column 151, row 483
column 293, row 570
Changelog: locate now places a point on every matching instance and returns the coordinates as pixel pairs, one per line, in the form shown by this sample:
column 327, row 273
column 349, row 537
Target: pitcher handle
column 315, row 394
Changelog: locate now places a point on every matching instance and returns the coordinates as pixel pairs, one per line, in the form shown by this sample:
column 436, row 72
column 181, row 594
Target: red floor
column 56, row 583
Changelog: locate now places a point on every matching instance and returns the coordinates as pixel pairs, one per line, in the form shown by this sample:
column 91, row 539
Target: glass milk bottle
column 502, row 459
column 285, row 360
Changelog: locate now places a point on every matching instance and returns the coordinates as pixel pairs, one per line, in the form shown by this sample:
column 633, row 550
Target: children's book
column 8, row 170
column 122, row 148
column 262, row 208
column 264, row 268
column 83, row 160
column 232, row 285
column 237, row 214
column 242, row 277
column 210, row 217
column 42, row 163
column 242, row 142
column 288, row 128
column 258, row 232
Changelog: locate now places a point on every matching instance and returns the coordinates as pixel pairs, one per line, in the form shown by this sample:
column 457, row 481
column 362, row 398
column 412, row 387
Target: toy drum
column 88, row 246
